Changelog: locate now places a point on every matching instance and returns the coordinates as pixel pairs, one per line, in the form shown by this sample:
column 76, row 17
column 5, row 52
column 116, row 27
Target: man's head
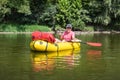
column 69, row 26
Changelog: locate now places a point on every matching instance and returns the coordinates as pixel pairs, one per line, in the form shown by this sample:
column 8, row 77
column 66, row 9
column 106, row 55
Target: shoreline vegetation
column 28, row 29
column 10, row 27
column 76, row 32
column 52, row 15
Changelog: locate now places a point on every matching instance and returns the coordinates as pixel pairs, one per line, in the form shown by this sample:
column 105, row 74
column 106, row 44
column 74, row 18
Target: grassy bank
column 22, row 28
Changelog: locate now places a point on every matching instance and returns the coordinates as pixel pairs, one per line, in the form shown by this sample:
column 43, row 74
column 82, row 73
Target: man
column 68, row 34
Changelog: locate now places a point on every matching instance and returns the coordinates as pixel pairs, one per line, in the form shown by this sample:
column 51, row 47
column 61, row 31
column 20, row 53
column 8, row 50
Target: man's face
column 68, row 29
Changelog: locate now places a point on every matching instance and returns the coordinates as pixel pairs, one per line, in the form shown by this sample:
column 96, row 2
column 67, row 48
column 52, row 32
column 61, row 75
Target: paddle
column 89, row 43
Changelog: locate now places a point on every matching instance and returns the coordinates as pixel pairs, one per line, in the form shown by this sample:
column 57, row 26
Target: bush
column 30, row 28
column 22, row 28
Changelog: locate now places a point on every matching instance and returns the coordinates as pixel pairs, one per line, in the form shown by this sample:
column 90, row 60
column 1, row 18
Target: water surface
column 18, row 62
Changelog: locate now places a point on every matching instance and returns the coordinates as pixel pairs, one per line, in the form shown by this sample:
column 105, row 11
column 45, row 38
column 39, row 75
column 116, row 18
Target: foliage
column 22, row 28
column 48, row 16
column 31, row 28
column 8, row 28
column 103, row 12
column 80, row 13
column 70, row 11
column 37, row 7
column 89, row 28
column 14, row 10
column 3, row 9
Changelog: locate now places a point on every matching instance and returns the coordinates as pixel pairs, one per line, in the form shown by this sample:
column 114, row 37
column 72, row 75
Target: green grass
column 22, row 28
column 89, row 28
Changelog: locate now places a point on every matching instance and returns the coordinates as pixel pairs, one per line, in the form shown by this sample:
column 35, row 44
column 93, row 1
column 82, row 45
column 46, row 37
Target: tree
column 13, row 10
column 37, row 8
column 70, row 11
column 103, row 12
column 3, row 9
column 48, row 16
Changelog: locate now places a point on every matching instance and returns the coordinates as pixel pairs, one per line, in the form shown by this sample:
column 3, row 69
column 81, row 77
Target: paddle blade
column 94, row 44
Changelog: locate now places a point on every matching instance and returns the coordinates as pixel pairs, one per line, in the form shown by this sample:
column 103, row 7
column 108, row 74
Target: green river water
column 18, row 62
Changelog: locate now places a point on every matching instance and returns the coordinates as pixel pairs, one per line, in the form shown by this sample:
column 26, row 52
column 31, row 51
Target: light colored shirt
column 68, row 36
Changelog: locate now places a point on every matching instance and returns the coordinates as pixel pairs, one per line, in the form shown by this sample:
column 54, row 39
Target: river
column 18, row 62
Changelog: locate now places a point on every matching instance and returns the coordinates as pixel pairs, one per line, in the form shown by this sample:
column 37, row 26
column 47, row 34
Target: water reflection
column 55, row 60
column 93, row 54
column 94, row 62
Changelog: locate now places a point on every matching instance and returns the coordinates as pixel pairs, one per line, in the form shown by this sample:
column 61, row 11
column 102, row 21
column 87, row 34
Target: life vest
column 37, row 35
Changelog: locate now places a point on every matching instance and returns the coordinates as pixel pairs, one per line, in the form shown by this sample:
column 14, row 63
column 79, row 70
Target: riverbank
column 10, row 28
column 17, row 28
column 15, row 32
column 97, row 32
column 76, row 32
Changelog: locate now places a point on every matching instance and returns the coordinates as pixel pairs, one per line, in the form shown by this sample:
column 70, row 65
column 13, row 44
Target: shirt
column 68, row 36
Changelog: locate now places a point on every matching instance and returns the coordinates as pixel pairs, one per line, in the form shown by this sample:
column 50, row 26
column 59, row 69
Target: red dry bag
column 37, row 35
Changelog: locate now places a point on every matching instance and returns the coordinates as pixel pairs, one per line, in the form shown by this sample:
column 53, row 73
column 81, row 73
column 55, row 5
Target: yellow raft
column 40, row 45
